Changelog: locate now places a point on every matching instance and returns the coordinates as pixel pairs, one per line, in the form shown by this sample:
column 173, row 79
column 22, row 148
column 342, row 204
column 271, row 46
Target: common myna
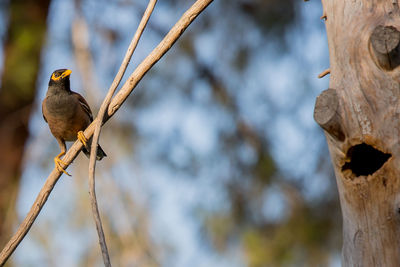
column 67, row 114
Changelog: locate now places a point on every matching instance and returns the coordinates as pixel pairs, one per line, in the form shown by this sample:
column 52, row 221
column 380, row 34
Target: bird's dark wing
column 84, row 105
column 42, row 110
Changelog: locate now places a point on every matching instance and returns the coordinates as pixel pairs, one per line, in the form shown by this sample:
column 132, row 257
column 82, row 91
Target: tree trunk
column 360, row 114
column 22, row 48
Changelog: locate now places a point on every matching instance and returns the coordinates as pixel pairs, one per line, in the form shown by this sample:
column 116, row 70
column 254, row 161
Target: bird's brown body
column 67, row 113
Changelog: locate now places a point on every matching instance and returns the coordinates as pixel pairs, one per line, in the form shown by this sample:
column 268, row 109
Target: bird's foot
column 58, row 163
column 82, row 138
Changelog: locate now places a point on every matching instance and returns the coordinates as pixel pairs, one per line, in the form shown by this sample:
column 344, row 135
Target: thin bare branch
column 155, row 55
column 115, row 104
column 100, row 116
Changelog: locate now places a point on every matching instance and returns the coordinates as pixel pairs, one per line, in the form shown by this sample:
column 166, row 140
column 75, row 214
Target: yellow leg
column 58, row 163
column 82, row 138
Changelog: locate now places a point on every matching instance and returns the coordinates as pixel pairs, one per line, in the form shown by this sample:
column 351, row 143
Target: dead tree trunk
column 360, row 114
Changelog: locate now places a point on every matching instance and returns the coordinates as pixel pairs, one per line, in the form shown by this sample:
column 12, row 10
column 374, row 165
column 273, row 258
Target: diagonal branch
column 100, row 116
column 155, row 55
column 115, row 104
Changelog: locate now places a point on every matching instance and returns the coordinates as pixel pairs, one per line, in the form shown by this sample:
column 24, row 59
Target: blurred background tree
column 23, row 41
column 215, row 161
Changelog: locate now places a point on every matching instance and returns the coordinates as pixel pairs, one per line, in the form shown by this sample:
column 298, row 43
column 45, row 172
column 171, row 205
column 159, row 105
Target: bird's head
column 60, row 77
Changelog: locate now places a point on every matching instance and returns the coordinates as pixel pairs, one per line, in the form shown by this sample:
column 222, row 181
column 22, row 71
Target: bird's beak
column 66, row 73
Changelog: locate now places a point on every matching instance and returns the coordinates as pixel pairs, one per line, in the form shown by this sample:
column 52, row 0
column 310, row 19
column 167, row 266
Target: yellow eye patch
column 54, row 78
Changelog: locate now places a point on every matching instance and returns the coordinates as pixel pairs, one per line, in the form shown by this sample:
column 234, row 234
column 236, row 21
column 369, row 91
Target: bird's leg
column 57, row 159
column 82, row 138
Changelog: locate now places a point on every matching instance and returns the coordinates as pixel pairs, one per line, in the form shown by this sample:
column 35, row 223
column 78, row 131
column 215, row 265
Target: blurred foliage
column 271, row 16
column 301, row 238
column 209, row 71
column 307, row 235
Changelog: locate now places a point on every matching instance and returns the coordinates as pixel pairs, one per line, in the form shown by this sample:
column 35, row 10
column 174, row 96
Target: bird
column 68, row 114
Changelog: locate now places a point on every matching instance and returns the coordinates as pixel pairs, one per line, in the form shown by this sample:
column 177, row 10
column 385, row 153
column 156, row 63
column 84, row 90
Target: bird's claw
column 82, row 138
column 58, row 163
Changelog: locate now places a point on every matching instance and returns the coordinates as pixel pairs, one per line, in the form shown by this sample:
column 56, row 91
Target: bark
column 22, row 47
column 360, row 115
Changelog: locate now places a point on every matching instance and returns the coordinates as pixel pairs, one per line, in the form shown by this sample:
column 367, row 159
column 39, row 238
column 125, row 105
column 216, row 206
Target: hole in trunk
column 364, row 159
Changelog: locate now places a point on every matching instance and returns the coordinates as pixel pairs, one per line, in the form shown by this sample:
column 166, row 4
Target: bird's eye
column 55, row 76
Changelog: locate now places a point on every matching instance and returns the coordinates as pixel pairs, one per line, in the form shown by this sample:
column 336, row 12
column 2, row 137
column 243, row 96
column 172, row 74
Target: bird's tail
column 100, row 152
